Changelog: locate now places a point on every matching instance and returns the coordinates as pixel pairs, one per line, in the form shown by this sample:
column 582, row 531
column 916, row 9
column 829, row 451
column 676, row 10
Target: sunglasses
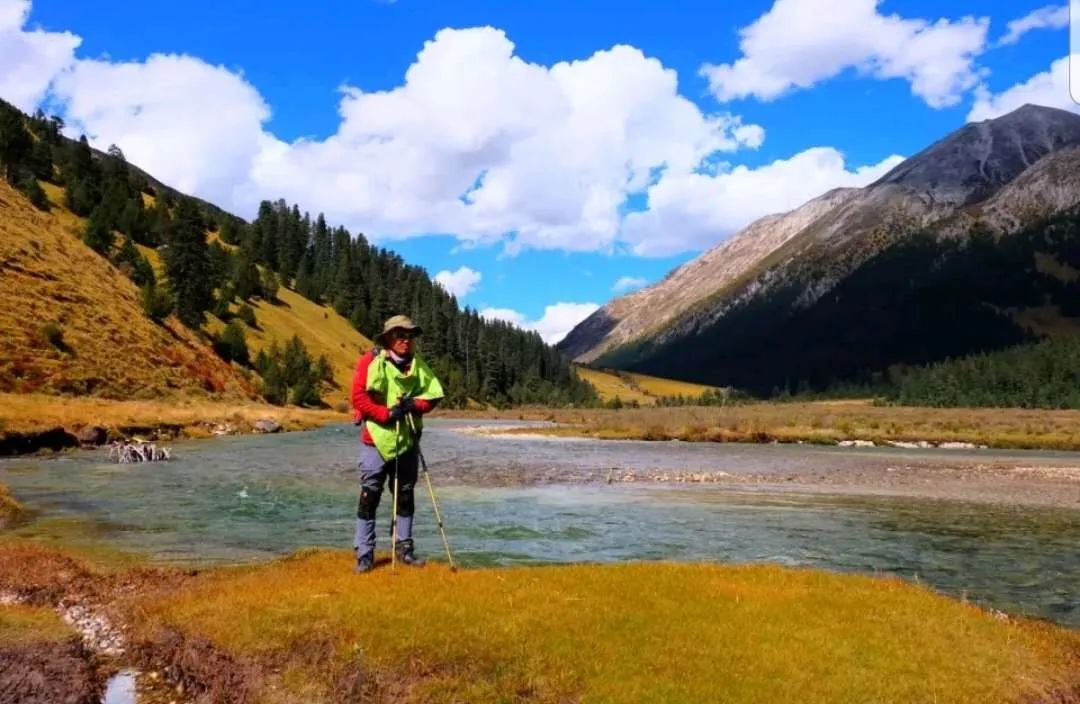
column 404, row 335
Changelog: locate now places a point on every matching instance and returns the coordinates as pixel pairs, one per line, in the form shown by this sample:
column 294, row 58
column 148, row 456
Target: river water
column 527, row 501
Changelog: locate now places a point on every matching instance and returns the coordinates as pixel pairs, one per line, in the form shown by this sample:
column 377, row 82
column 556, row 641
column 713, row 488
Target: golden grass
column 109, row 347
column 630, row 386
column 28, row 624
column 194, row 418
column 634, row 632
column 610, row 385
column 320, row 328
column 819, row 422
column 11, row 511
column 656, row 386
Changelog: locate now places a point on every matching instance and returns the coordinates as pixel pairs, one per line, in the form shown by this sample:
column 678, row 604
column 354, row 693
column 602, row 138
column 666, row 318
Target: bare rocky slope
column 627, row 318
column 999, row 175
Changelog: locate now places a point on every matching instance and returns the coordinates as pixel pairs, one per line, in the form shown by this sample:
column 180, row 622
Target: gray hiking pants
column 374, row 473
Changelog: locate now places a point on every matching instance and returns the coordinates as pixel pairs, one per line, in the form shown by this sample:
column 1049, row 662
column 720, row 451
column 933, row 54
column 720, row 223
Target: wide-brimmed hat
column 398, row 322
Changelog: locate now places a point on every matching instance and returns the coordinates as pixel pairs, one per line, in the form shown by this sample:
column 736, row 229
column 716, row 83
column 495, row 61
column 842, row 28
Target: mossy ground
column 26, row 624
column 307, row 629
column 635, row 632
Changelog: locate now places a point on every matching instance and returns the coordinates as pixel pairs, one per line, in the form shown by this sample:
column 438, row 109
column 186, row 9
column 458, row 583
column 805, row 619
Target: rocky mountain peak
column 974, row 172
column 973, row 162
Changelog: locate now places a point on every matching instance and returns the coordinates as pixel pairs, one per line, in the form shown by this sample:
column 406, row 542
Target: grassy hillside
column 642, row 388
column 321, row 329
column 71, row 323
column 104, row 299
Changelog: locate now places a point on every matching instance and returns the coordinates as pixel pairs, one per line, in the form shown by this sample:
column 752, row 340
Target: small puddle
column 121, row 688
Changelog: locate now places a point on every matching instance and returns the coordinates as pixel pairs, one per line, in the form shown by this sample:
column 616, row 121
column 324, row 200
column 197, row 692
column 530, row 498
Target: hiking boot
column 405, row 554
column 365, row 563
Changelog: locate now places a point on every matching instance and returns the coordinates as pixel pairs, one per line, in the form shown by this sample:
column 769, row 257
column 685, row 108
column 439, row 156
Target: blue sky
column 504, row 192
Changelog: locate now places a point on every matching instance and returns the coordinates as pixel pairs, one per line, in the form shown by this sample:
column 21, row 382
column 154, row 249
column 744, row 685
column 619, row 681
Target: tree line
column 488, row 361
column 1043, row 374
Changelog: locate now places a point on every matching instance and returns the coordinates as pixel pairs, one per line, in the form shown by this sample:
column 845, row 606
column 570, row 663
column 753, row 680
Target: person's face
column 401, row 342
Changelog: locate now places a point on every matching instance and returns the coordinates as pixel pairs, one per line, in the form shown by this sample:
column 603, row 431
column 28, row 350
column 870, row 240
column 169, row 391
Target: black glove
column 407, row 403
column 396, row 412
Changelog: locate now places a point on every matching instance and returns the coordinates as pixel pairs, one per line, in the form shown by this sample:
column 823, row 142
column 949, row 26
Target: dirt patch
column 50, row 673
column 42, row 577
column 201, row 671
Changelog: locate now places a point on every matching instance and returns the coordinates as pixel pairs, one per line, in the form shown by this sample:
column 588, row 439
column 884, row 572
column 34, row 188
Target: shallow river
column 516, row 501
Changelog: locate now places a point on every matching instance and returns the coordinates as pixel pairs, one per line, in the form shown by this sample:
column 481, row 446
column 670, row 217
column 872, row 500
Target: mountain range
column 968, row 246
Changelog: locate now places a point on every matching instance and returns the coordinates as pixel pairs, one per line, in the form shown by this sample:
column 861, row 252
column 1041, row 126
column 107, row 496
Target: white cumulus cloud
column 628, row 283
column 798, row 43
column 459, row 283
column 195, row 126
column 1049, row 17
column 694, row 211
column 479, row 143
column 558, row 319
column 1049, row 88
column 482, row 144
column 475, row 142
column 29, row 58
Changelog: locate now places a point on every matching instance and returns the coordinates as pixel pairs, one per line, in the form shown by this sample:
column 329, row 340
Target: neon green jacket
column 385, row 379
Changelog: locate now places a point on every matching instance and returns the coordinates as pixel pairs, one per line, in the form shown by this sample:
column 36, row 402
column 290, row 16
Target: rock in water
column 92, row 436
column 267, row 425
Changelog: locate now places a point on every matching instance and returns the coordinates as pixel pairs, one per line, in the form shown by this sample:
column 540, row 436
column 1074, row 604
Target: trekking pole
column 397, row 480
column 434, row 503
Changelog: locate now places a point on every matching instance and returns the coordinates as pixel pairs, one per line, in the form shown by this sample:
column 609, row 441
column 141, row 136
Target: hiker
column 391, row 389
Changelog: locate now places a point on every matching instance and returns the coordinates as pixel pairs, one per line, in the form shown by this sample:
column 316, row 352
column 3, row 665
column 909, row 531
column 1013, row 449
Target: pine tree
column 41, row 160
column 230, row 231
column 35, row 193
column 267, row 224
column 80, row 162
column 15, row 142
column 245, row 277
column 97, row 234
column 323, row 371
column 221, row 262
column 134, row 264
column 231, row 344
column 81, row 197
column 156, row 301
column 187, row 265
column 247, row 314
column 134, row 221
column 305, row 279
column 269, row 285
column 322, row 256
column 158, row 223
